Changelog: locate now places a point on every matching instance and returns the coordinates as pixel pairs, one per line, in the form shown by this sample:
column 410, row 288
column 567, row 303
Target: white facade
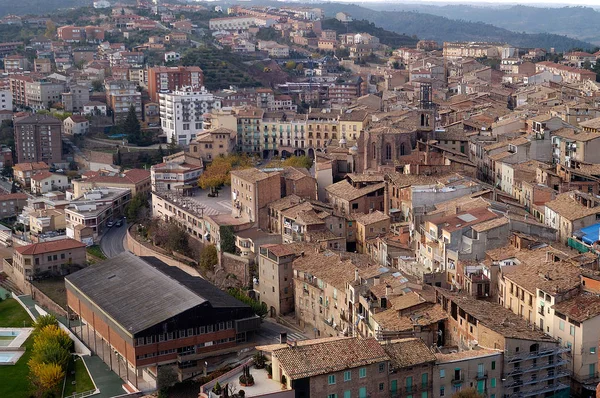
column 232, row 23
column 6, row 100
column 172, row 56
column 182, row 112
column 52, row 182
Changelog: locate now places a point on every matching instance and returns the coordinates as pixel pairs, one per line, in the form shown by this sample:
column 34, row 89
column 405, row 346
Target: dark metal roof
column 139, row 293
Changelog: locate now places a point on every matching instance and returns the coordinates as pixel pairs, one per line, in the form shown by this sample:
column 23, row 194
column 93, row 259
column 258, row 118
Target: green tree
column 131, row 127
column 50, row 29
column 259, row 309
column 209, row 257
column 135, row 206
column 227, row 239
column 161, row 152
column 173, row 144
column 290, row 65
column 50, row 351
column 97, row 85
column 46, row 378
column 298, row 161
column 43, row 321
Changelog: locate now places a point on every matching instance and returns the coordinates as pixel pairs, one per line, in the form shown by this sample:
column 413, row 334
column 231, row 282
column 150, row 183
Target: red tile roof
column 48, row 247
column 13, row 196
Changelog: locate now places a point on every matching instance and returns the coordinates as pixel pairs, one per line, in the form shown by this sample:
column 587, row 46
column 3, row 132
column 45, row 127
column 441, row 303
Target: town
column 202, row 200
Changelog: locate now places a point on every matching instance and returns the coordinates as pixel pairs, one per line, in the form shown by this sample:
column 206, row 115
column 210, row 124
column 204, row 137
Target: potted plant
column 269, row 371
column 217, row 390
column 246, row 379
column 241, row 393
column 259, row 360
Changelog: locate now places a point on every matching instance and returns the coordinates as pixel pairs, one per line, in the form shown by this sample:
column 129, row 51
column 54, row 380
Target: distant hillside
column 37, row 7
column 575, row 22
column 434, row 27
column 386, row 37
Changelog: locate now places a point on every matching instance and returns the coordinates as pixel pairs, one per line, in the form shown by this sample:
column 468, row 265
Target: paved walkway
column 28, row 301
column 107, row 381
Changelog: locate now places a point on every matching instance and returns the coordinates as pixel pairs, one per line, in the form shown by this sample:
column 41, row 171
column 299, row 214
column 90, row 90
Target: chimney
column 356, row 277
column 388, row 290
column 283, row 337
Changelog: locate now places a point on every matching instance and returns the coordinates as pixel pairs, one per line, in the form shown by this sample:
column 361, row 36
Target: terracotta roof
column 13, row 196
column 41, row 175
column 250, row 175
column 48, row 247
column 567, row 207
column 584, row 306
column 371, row 218
column 345, row 190
column 575, row 135
column 406, row 353
column 31, row 166
column 592, row 123
column 425, row 315
column 329, row 356
column 466, row 355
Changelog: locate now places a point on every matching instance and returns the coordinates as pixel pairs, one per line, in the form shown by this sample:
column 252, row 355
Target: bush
column 217, row 389
column 259, row 309
column 259, row 360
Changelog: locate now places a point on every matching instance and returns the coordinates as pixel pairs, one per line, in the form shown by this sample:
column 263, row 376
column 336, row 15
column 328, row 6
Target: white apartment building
column 182, row 112
column 6, row 100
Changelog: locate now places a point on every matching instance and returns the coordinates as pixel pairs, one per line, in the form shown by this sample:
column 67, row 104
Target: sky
column 496, row 2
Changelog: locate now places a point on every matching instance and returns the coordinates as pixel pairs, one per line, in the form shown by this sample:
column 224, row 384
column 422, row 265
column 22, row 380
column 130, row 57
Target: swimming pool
column 9, row 333
column 7, row 357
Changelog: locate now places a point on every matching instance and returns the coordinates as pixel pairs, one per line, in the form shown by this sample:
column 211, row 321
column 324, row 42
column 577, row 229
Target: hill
column 392, row 39
column 435, row 27
column 576, row 22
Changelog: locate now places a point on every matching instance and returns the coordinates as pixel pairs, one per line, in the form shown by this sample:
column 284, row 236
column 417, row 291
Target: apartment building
column 76, row 98
column 534, row 364
column 182, row 112
column 120, row 96
column 12, row 204
column 95, row 208
column 17, row 89
column 42, row 94
column 38, row 139
column 213, row 143
column 337, row 367
column 6, row 100
column 571, row 211
column 45, row 181
column 23, row 172
column 15, row 64
column 568, row 74
column 136, row 180
column 457, row 50
column 571, row 146
column 175, row 175
column 356, row 197
column 45, row 258
column 162, row 79
column 47, row 220
column 275, row 277
column 249, row 137
column 251, row 191
column 232, row 23
column 77, row 34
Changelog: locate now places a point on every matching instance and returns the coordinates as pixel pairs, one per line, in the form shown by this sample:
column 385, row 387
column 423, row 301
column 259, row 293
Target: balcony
column 481, row 376
column 457, row 381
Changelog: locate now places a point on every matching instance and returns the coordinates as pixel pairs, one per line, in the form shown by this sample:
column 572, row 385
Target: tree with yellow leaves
column 46, row 377
column 217, row 173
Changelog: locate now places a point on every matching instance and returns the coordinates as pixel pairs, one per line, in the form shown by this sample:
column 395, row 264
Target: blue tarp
column 591, row 234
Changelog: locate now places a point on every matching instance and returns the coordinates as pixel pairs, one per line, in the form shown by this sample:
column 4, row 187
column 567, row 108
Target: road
column 270, row 332
column 112, row 241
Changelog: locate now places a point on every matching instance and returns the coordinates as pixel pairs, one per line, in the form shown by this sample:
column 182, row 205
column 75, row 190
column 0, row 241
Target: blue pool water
column 13, row 333
column 6, row 356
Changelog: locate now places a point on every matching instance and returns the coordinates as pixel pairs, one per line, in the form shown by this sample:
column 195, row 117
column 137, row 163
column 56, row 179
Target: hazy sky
column 530, row 2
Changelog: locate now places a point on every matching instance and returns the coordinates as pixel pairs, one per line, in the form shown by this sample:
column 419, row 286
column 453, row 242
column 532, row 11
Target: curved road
column 112, row 241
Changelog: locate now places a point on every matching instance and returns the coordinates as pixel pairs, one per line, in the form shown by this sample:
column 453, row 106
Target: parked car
column 110, row 224
column 119, row 223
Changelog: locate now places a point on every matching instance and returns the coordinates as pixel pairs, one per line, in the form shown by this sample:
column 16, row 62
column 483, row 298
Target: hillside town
column 258, row 201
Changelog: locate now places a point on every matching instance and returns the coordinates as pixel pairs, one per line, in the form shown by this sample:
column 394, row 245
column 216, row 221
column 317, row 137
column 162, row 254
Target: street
column 270, row 332
column 112, row 241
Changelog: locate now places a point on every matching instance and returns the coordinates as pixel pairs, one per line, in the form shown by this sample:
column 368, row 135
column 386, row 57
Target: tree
column 298, row 161
column 161, row 152
column 54, row 333
column 217, row 173
column 259, row 309
column 50, row 29
column 173, row 144
column 43, row 321
column 290, row 65
column 46, row 377
column 209, row 257
column 131, row 127
column 227, row 239
column 134, row 208
column 7, row 170
column 166, row 378
column 97, row 86
column 50, row 351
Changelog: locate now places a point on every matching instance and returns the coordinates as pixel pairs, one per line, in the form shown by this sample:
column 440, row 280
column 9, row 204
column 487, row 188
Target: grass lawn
column 15, row 383
column 95, row 251
column 82, row 379
column 13, row 315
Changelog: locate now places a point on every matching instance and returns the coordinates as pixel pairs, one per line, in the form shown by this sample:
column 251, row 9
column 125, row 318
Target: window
column 331, row 379
column 572, row 330
column 424, row 394
column 442, row 392
column 332, row 396
column 381, row 386
column 592, row 369
column 362, row 392
column 442, row 373
column 561, row 324
column 381, row 367
column 362, row 373
column 493, row 382
column 347, row 394
column 592, row 350
column 347, row 375
column 493, row 365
